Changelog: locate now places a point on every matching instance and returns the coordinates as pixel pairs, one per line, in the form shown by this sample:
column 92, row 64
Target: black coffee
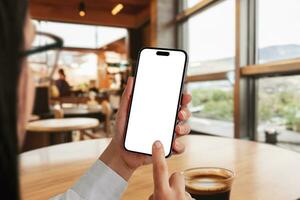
column 208, row 187
column 216, row 196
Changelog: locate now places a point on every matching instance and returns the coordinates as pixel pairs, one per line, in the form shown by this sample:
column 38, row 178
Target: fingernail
column 178, row 144
column 178, row 129
column 157, row 144
column 183, row 114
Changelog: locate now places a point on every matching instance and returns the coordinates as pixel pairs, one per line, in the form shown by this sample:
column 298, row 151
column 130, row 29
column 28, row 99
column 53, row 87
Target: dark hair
column 62, row 72
column 12, row 19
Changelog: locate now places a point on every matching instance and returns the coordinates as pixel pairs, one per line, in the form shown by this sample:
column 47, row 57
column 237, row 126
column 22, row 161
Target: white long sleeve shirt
column 99, row 182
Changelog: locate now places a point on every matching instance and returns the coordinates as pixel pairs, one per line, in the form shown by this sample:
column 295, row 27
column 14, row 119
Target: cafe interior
column 243, row 75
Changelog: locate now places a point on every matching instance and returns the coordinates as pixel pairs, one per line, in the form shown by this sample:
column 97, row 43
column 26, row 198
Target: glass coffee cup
column 208, row 183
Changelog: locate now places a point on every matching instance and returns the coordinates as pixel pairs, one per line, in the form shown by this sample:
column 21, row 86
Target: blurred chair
column 64, row 136
column 33, row 118
column 107, row 127
column 114, row 102
column 107, row 110
column 58, row 113
column 41, row 101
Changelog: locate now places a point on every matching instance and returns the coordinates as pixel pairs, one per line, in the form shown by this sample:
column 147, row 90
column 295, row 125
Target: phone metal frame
column 179, row 99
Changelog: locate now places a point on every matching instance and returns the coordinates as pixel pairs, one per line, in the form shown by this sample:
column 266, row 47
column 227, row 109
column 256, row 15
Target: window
column 82, row 36
column 279, row 109
column 212, row 107
column 210, row 37
column 191, row 3
column 278, row 106
column 79, row 67
column 278, row 30
column 208, row 34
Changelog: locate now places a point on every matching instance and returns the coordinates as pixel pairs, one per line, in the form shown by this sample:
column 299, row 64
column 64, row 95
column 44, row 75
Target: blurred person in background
column 107, row 178
column 62, row 85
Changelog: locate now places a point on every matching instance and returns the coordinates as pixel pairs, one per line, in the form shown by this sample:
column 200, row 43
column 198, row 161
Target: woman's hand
column 124, row 162
column 166, row 188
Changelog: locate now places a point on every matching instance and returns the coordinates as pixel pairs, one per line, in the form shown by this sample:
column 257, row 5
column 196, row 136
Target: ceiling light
column 117, row 9
column 81, row 9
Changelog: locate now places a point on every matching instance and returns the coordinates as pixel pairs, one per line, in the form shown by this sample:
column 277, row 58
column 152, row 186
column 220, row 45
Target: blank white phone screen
column 155, row 100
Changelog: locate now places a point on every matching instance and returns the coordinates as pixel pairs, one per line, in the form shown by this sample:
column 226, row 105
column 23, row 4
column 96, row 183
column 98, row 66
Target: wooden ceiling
column 98, row 12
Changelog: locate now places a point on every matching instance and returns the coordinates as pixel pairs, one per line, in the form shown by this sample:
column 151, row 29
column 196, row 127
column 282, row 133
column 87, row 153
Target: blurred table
column 74, row 109
column 78, row 111
column 263, row 171
column 47, row 132
column 62, row 125
column 82, row 110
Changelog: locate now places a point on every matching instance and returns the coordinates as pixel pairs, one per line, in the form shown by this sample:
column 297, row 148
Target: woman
column 108, row 177
column 62, row 84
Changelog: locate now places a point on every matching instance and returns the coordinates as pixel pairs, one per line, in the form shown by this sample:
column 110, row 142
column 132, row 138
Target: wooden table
column 53, row 131
column 263, row 172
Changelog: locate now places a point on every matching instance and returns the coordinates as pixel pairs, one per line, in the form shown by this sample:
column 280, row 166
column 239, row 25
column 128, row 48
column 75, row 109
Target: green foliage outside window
column 213, row 103
column 282, row 108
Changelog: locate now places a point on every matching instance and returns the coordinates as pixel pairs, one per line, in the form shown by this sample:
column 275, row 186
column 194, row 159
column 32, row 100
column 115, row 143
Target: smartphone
column 156, row 99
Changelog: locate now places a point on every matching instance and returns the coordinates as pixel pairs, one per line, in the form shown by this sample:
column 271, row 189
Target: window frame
column 247, row 72
column 183, row 16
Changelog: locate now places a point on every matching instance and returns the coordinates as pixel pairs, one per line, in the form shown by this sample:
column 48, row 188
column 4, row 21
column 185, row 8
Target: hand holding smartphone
column 155, row 99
